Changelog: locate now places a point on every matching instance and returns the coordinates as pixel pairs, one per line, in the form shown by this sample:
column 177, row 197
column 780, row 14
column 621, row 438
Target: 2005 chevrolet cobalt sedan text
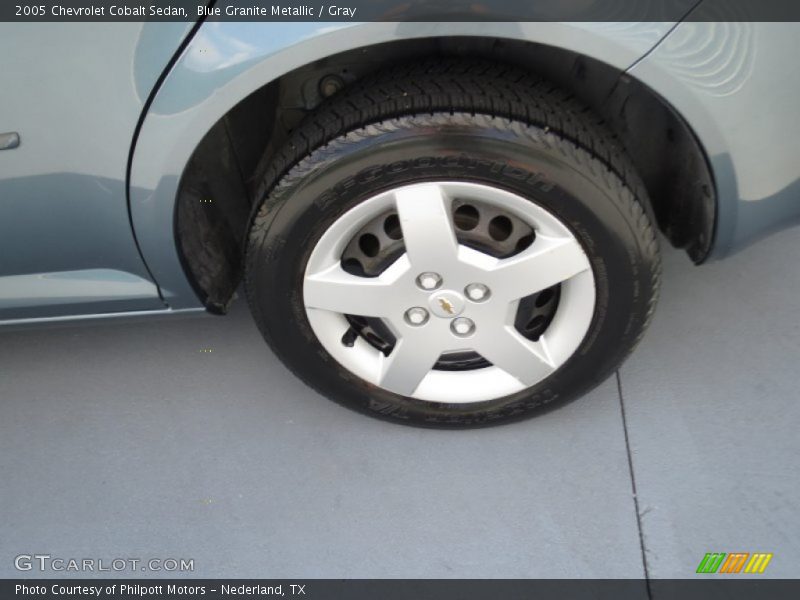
column 445, row 224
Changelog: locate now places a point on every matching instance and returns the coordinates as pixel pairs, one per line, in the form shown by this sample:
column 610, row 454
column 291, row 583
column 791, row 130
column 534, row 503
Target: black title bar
column 399, row 10
column 702, row 587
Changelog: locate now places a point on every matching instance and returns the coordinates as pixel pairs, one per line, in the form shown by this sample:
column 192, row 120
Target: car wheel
column 452, row 244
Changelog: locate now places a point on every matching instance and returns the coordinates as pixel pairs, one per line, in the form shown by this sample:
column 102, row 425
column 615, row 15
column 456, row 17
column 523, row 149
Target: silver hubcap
column 441, row 296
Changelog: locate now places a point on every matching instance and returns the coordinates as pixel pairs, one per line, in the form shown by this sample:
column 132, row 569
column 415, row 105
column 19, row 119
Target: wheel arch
column 201, row 147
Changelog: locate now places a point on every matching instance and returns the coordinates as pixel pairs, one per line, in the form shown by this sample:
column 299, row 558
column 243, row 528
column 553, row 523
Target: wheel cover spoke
column 336, row 290
column 548, row 262
column 425, row 220
column 526, row 361
column 408, row 364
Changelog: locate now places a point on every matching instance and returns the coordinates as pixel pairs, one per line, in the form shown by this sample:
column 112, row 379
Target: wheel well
column 217, row 190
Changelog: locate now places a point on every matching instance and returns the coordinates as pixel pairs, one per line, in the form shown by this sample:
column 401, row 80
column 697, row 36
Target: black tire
column 475, row 121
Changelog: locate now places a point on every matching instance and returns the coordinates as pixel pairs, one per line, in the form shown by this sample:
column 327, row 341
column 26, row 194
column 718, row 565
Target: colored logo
column 735, row 562
column 447, row 306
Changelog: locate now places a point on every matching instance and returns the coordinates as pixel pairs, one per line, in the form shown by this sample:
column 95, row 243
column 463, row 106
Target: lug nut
column 462, row 327
column 416, row 316
column 477, row 292
column 429, row 281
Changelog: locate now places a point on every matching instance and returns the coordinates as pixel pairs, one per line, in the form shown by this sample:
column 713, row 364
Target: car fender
column 730, row 82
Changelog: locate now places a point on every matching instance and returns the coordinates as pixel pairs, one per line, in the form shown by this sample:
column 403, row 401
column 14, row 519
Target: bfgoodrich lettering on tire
column 452, row 244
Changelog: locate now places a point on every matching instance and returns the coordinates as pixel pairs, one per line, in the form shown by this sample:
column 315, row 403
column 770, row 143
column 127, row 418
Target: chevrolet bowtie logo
column 446, row 305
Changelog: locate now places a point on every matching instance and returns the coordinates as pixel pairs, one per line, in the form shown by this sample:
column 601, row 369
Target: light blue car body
column 109, row 115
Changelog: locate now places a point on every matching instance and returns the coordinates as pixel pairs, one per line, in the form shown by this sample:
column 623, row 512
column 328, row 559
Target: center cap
column 446, row 304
